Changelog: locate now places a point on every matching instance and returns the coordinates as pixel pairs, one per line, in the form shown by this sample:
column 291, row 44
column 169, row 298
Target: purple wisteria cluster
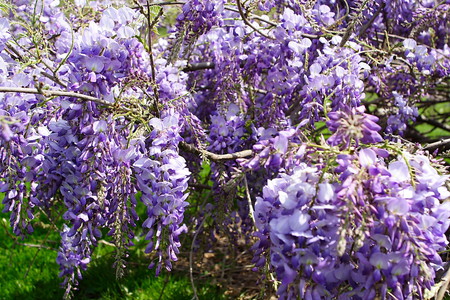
column 368, row 227
column 281, row 114
column 274, row 151
column 162, row 177
column 227, row 130
column 406, row 113
column 79, row 156
column 354, row 125
column 196, row 18
column 104, row 54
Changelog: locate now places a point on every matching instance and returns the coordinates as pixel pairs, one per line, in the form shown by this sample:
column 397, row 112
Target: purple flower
column 6, row 133
column 4, row 32
column 402, row 115
column 353, row 125
column 162, row 178
column 379, row 260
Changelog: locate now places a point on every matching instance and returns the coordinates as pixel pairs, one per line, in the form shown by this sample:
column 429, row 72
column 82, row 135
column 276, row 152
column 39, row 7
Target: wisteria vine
column 312, row 117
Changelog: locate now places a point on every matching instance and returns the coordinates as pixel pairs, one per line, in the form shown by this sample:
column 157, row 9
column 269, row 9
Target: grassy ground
column 28, row 270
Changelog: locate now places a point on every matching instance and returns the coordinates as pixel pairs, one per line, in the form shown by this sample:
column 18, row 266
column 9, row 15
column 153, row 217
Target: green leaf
column 154, row 10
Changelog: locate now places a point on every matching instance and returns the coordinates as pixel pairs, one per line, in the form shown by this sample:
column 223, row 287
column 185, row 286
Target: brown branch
column 383, row 34
column 253, row 16
column 191, row 258
column 166, row 3
column 54, row 79
column 16, row 55
column 54, row 93
column 435, row 123
column 159, row 4
column 226, row 7
column 199, row 66
column 247, row 22
column 35, row 255
column 256, row 17
column 213, row 156
column 352, row 25
column 341, row 19
column 437, row 144
column 370, row 22
column 271, row 23
column 150, row 53
column 443, row 286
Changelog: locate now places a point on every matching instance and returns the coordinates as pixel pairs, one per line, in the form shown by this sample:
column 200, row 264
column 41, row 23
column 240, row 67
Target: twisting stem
column 445, row 281
column 53, row 93
column 149, row 41
column 165, row 3
column 437, row 144
column 247, row 22
column 16, row 55
column 166, row 280
column 435, row 123
column 150, row 53
column 370, row 22
column 351, row 25
column 214, row 156
column 254, row 17
column 249, row 199
column 271, row 23
column 191, row 255
column 341, row 19
column 199, row 66
column 35, row 255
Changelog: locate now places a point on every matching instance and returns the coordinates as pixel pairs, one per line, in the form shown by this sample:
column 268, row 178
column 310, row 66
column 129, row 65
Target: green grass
column 25, row 271
column 28, row 272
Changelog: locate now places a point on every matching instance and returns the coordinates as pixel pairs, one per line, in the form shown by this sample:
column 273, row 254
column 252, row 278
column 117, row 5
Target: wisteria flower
column 353, row 125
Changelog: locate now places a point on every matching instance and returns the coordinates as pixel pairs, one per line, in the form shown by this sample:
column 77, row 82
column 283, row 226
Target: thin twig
column 161, row 4
column 437, row 144
column 226, row 7
column 54, row 79
column 382, row 34
column 53, row 93
column 166, row 3
column 341, row 19
column 227, row 269
column 35, row 255
column 166, row 280
column 13, row 52
column 36, row 246
column 370, row 22
column 249, row 199
column 191, row 258
column 433, row 122
column 352, row 25
column 150, row 53
column 106, row 243
column 247, row 22
column 271, row 23
column 445, row 281
column 253, row 16
column 214, row 156
column 199, row 66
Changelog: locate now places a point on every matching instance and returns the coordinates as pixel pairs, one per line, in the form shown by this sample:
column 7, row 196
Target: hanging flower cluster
column 286, row 110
